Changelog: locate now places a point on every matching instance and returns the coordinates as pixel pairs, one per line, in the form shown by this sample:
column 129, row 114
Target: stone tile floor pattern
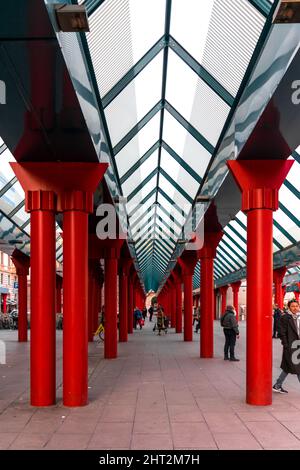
column 158, row 394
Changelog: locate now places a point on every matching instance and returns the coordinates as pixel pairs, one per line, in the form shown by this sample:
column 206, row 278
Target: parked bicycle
column 100, row 332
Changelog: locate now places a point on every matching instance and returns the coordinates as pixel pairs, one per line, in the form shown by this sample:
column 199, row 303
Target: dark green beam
column 139, row 163
column 181, row 162
column 134, row 131
column 201, row 72
column 191, row 129
column 134, row 71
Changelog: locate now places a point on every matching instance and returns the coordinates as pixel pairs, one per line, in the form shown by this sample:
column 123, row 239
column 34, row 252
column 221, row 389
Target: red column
column 59, row 283
column 130, row 306
column 125, row 264
column 173, row 313
column 278, row 275
column 206, row 255
column 259, row 181
column 235, row 286
column 21, row 262
column 72, row 186
column 178, row 307
column 4, row 303
column 41, row 205
column 224, row 290
column 188, row 262
column 75, row 331
column 110, row 289
column 215, row 303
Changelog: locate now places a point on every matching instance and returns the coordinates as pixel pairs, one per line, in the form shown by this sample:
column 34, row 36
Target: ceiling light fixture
column 71, row 18
column 288, row 11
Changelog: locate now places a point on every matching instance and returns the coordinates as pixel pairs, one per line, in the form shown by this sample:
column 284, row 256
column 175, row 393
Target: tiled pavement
column 157, row 395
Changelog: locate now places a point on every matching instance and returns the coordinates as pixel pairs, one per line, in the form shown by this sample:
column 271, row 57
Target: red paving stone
column 158, row 394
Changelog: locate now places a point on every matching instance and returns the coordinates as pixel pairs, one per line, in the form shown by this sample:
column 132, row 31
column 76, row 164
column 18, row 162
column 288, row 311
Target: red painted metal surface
column 75, row 333
column 42, row 324
column 235, row 289
column 259, row 181
column 278, row 275
column 110, row 288
column 206, row 255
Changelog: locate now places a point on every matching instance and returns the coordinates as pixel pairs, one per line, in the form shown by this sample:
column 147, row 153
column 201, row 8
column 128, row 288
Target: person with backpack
column 231, row 332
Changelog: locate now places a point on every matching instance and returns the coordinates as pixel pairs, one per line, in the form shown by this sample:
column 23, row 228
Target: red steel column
column 188, row 306
column 235, row 286
column 125, row 264
column 206, row 255
column 130, row 306
column 278, row 275
column 59, row 282
column 259, row 181
column 22, row 262
column 110, row 289
column 41, row 205
column 173, row 313
column 75, row 283
column 178, row 307
column 224, row 290
column 187, row 263
column 4, row 303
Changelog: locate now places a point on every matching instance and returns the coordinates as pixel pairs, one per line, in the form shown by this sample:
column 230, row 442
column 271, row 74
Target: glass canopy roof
column 169, row 74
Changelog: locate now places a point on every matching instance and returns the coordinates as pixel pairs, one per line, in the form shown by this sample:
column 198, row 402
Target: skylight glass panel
column 11, row 198
column 178, row 174
column 185, row 145
column 121, row 32
column 175, row 195
column 140, row 174
column 138, row 145
column 171, row 209
column 135, row 101
column 6, row 172
column 195, row 100
column 221, row 36
column 131, row 205
column 142, row 210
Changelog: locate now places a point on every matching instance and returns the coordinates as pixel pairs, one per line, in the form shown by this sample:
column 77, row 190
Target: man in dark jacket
column 231, row 332
column 290, row 335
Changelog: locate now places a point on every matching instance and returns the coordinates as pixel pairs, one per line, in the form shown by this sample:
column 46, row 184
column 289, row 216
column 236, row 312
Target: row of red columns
column 259, row 200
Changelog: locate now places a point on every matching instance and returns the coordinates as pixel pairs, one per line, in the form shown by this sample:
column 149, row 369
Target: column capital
column 211, row 241
column 235, row 286
column 21, row 262
column 278, row 274
column 223, row 289
column 71, row 184
column 187, row 262
column 40, row 200
column 76, row 201
column 259, row 181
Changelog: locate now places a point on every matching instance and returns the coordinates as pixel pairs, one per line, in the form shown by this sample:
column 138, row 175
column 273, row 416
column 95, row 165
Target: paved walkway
column 157, row 395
